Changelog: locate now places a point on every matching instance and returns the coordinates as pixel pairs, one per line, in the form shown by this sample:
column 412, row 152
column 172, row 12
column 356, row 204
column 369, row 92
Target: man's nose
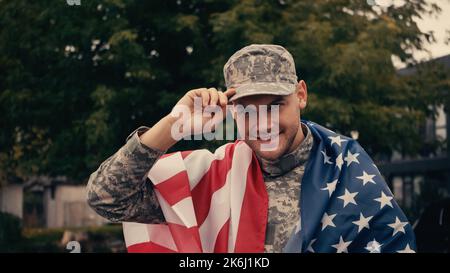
column 265, row 124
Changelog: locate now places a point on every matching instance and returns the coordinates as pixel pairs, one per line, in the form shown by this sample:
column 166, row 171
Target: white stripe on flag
column 183, row 208
column 198, row 163
column 160, row 234
column 238, row 178
column 135, row 233
column 218, row 214
column 166, row 167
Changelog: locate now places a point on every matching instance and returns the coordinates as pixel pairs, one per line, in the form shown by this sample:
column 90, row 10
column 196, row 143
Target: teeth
column 268, row 136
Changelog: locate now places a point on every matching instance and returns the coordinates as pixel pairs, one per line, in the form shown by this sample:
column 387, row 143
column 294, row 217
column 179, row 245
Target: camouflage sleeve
column 119, row 189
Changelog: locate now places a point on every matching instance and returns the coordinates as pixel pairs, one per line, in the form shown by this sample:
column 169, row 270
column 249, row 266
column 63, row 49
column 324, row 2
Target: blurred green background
column 75, row 80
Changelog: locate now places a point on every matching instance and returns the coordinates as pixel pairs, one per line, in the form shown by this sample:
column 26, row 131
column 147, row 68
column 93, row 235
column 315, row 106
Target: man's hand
column 209, row 96
column 191, row 108
column 159, row 136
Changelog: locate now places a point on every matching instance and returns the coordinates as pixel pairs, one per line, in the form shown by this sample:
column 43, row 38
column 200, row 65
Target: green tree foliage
column 75, row 80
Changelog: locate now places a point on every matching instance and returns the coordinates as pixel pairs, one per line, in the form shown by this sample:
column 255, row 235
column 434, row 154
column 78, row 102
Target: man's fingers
column 214, row 96
column 197, row 92
column 210, row 96
column 230, row 92
column 205, row 97
column 223, row 100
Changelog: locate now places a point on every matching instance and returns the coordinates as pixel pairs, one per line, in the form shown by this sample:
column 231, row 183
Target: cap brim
column 263, row 88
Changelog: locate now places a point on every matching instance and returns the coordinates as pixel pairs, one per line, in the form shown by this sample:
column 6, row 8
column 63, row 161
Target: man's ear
column 302, row 94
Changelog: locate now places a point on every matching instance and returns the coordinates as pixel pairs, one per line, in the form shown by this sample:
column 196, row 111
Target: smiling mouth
column 267, row 137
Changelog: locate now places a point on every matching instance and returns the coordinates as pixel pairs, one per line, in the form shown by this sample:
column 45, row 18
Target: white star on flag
column 337, row 140
column 326, row 158
column 351, row 158
column 406, row 250
column 327, row 220
column 363, row 222
column 366, row 178
column 384, row 200
column 339, row 161
column 398, row 226
column 341, row 247
column 330, row 187
column 348, row 197
column 373, row 247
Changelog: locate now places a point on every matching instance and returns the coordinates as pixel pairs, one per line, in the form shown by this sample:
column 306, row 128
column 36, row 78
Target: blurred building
column 11, row 199
column 49, row 202
column 417, row 182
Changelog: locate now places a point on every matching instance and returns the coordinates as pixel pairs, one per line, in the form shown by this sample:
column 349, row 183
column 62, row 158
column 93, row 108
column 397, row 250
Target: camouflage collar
column 291, row 160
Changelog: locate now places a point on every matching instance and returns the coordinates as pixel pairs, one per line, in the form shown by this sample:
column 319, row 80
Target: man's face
column 288, row 122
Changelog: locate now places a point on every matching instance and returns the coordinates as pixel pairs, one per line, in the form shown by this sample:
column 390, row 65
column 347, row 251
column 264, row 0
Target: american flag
column 217, row 202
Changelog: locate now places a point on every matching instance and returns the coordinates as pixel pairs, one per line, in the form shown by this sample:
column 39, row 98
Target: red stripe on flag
column 148, row 247
column 175, row 189
column 253, row 220
column 211, row 181
column 253, row 217
column 221, row 245
column 186, row 239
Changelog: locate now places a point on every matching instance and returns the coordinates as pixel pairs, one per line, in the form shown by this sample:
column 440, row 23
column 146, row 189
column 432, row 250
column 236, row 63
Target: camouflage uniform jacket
column 119, row 191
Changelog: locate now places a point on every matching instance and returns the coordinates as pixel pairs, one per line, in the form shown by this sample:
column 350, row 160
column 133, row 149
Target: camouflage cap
column 260, row 69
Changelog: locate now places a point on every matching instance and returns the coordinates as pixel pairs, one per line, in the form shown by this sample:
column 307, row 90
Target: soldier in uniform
column 258, row 74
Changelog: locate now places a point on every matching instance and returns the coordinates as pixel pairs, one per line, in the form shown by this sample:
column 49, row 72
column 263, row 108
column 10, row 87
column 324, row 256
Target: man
column 321, row 191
